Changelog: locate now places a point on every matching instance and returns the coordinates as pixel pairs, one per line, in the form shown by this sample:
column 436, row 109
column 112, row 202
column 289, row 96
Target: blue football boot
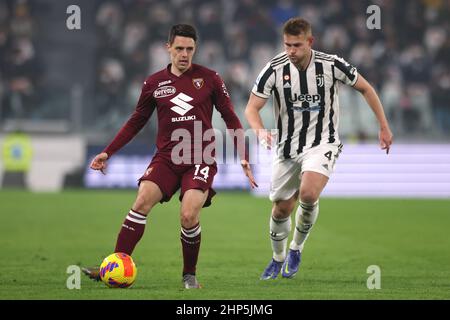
column 272, row 270
column 291, row 264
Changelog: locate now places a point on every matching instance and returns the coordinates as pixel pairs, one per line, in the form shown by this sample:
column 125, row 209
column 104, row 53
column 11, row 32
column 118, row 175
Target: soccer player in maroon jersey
column 182, row 94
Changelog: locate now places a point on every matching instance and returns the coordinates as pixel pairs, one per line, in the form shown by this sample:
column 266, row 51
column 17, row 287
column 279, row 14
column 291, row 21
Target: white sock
column 279, row 232
column 305, row 217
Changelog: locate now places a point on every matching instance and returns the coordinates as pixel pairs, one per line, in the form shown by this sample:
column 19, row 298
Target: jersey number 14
column 204, row 171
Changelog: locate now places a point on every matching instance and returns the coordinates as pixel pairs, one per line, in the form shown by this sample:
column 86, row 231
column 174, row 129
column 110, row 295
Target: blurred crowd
column 20, row 68
column 407, row 60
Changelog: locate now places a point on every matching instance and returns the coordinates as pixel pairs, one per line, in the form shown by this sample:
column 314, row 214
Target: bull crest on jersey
column 148, row 171
column 198, row 83
column 320, row 80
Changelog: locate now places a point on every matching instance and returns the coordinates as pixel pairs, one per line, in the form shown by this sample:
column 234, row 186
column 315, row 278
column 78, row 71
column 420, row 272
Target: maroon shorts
column 170, row 177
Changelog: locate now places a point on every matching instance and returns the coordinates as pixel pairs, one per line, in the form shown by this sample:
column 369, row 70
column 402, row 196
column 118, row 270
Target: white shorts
column 286, row 173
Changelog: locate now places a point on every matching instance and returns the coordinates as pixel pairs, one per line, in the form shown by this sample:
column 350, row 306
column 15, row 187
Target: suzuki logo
column 182, row 105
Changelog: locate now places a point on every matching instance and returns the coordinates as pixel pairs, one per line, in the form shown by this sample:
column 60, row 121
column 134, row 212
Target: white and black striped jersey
column 306, row 104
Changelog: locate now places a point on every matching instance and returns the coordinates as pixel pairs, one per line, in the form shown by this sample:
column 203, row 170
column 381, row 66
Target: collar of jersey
column 175, row 77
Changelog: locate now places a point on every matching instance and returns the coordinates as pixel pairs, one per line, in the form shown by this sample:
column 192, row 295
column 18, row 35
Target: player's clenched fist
column 266, row 138
column 99, row 162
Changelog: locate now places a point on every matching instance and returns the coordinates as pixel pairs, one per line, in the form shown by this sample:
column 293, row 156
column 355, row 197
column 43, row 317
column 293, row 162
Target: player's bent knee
column 188, row 218
column 148, row 195
column 308, row 196
column 142, row 206
column 282, row 209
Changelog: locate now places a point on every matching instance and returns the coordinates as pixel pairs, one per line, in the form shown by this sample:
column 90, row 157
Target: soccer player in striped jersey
column 304, row 85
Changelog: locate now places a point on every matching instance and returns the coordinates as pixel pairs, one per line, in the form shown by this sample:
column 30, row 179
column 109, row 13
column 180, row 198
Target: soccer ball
column 118, row 270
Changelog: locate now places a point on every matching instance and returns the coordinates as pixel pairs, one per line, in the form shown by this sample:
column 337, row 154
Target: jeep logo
column 305, row 98
column 165, row 91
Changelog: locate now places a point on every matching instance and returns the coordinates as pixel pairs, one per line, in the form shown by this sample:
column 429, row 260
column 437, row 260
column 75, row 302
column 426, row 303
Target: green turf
column 42, row 234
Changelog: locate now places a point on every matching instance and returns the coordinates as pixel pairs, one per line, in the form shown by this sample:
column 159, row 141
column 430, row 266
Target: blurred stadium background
column 70, row 91
column 65, row 93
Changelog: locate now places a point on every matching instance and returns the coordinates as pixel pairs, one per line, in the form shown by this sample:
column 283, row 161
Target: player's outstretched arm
column 99, row 162
column 385, row 135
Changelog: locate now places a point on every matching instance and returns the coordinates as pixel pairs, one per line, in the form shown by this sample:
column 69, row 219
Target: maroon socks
column 133, row 229
column 190, row 241
column 131, row 232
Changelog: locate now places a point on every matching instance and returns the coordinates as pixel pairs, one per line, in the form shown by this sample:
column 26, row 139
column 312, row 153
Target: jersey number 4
column 328, row 155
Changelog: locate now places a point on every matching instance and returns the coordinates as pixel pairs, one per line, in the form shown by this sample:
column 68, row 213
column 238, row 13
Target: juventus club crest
column 320, row 80
column 198, row 83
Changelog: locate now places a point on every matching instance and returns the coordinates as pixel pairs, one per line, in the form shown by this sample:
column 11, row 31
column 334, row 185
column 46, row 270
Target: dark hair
column 297, row 26
column 183, row 30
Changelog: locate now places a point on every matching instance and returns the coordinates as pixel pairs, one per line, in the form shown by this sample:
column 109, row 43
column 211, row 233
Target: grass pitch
column 42, row 234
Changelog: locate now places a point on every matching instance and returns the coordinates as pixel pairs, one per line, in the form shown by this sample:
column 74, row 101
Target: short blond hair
column 297, row 26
